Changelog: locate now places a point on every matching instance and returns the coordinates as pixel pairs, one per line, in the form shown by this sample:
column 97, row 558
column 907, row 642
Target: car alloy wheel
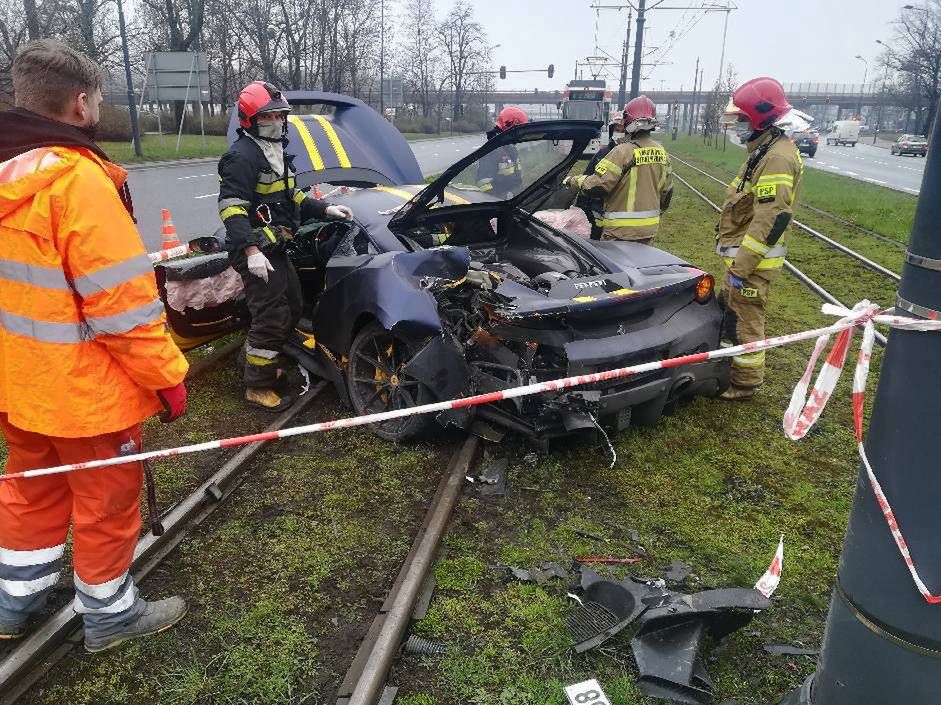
column 377, row 382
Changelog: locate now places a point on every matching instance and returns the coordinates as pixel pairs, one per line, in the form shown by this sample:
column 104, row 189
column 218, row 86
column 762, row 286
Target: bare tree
column 464, row 43
column 418, row 52
column 915, row 55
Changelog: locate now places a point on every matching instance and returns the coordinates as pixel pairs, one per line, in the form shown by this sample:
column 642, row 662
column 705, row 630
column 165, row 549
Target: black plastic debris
column 546, row 571
column 419, row 646
column 788, row 650
column 607, row 607
column 589, row 535
column 492, row 480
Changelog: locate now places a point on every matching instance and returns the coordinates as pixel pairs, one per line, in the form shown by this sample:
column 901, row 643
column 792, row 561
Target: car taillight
column 816, row 141
column 704, row 288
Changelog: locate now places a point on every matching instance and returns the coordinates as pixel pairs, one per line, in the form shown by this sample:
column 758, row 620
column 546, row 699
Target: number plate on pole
column 586, row 693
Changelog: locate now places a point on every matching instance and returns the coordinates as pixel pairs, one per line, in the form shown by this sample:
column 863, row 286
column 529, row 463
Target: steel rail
column 862, row 259
column 366, row 678
column 798, row 274
column 53, row 639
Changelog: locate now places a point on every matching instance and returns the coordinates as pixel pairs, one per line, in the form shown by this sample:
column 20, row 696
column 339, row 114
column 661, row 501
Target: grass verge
column 156, row 148
column 884, row 210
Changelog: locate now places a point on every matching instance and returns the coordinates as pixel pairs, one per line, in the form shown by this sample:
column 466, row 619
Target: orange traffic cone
column 170, row 239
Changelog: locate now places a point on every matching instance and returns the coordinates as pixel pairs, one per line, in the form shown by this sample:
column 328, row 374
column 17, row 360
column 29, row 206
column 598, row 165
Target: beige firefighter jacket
column 752, row 229
column 636, row 182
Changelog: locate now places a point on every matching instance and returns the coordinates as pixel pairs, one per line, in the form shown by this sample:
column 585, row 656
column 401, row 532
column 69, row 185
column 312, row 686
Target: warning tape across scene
column 801, row 415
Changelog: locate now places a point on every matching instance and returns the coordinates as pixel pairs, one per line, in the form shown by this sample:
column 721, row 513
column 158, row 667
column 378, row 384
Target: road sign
column 176, row 75
column 393, row 92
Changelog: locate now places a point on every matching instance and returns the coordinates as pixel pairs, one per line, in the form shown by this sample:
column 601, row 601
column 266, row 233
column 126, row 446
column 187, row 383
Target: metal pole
column 186, row 99
column 131, row 105
column 692, row 109
column 622, row 88
column 638, row 48
column 199, row 101
column 882, row 642
column 875, row 133
column 153, row 65
column 372, row 679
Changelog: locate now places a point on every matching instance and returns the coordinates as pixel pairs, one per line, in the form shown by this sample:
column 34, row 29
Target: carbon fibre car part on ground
column 447, row 290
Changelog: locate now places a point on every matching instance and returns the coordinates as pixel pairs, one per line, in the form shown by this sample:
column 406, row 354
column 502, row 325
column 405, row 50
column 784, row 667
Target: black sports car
column 445, row 290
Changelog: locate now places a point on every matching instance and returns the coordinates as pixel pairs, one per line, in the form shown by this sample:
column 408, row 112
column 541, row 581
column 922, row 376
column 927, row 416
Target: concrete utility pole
column 638, row 48
column 382, row 57
column 882, row 643
column 131, row 103
column 622, row 88
column 692, row 109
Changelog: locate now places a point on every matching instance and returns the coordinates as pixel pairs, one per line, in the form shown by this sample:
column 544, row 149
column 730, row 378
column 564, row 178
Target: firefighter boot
column 267, row 399
column 734, row 393
column 157, row 617
column 12, row 631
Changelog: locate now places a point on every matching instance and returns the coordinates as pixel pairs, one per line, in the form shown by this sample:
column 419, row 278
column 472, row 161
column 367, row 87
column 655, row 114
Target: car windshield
column 511, row 169
column 583, row 110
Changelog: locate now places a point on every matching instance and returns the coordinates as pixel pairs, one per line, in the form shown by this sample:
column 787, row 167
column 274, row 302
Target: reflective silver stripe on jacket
column 37, row 275
column 732, row 250
column 632, row 215
column 113, row 275
column 128, row 320
column 53, row 332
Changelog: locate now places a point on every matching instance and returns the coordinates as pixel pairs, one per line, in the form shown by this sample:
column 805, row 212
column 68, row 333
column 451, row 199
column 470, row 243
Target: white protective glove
column 339, row 213
column 259, row 265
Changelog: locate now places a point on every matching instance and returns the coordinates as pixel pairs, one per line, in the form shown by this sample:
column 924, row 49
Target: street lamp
column 859, row 108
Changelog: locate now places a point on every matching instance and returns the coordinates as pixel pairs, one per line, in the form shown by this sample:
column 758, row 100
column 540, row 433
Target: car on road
column 806, row 142
column 442, row 290
column 916, row 145
column 844, row 132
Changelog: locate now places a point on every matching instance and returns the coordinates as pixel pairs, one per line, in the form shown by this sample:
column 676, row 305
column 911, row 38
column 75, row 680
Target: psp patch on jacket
column 766, row 193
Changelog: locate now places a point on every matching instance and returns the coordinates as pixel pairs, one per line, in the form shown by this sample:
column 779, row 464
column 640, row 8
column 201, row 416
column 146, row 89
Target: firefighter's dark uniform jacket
column 247, row 184
column 260, row 207
column 752, row 241
column 500, row 172
column 636, row 182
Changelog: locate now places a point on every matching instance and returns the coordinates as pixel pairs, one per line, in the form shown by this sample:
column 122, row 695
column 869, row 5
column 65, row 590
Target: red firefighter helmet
column 761, row 100
column 640, row 114
column 511, row 117
column 260, row 97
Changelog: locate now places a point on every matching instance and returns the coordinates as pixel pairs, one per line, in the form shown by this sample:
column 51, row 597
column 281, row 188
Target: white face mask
column 743, row 130
column 271, row 130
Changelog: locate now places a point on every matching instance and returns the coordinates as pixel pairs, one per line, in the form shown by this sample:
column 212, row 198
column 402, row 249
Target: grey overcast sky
column 797, row 40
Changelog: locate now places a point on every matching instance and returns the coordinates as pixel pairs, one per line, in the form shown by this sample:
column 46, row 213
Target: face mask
column 743, row 131
column 272, row 131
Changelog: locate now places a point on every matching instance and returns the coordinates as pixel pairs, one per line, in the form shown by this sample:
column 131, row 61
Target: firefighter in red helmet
column 500, row 172
column 260, row 208
column 634, row 179
column 752, row 230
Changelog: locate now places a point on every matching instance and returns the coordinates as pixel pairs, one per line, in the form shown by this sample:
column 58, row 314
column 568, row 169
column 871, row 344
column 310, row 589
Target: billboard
column 176, row 75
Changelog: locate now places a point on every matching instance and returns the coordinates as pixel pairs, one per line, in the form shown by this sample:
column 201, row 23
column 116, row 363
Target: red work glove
column 174, row 402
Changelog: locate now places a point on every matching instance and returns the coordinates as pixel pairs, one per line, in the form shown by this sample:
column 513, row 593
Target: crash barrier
column 801, row 414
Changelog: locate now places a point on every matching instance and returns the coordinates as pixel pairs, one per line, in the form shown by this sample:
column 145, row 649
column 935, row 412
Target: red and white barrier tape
column 803, row 411
column 801, row 414
column 769, row 582
column 164, row 255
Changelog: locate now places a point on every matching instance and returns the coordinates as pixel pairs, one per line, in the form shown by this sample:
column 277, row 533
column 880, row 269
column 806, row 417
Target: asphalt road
column 190, row 191
column 865, row 162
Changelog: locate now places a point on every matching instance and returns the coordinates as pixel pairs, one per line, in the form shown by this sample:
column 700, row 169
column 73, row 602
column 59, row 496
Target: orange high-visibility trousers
column 102, row 504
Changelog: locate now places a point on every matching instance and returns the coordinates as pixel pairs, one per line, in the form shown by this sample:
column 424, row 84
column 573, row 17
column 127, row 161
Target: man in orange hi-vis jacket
column 84, row 355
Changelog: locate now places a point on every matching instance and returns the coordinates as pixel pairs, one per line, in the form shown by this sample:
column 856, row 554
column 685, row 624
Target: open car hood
column 580, row 132
column 351, row 144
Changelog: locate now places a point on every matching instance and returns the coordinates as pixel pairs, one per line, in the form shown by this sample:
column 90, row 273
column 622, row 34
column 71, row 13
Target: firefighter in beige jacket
column 634, row 179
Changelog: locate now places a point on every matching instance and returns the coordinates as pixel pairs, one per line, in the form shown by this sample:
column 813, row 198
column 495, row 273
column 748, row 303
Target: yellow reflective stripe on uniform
column 270, row 233
column 275, row 186
column 752, row 244
column 768, row 263
column 510, row 170
column 604, row 166
column 299, row 196
column 335, row 142
column 258, row 361
column 768, row 178
column 749, row 359
column 628, row 222
column 631, row 190
column 308, row 140
column 232, row 210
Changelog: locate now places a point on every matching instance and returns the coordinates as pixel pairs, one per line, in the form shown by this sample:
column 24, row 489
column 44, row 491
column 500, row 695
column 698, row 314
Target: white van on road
column 844, row 132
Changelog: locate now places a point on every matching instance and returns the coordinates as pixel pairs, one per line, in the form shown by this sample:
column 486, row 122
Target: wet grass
column 158, row 148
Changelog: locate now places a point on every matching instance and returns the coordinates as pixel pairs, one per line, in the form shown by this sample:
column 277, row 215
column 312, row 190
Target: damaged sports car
column 443, row 290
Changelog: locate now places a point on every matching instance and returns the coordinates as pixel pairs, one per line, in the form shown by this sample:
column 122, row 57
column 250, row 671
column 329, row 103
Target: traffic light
column 551, row 70
column 503, row 72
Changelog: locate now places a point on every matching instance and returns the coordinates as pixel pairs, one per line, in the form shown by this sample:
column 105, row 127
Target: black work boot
column 158, row 616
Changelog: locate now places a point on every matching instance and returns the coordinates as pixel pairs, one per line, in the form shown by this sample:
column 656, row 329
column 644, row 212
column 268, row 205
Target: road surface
column 865, row 162
column 190, row 191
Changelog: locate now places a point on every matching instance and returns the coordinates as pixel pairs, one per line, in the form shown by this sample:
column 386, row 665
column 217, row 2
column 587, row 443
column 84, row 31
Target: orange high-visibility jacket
column 83, row 339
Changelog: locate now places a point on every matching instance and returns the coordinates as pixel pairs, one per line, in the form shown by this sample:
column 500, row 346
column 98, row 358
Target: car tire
column 376, row 383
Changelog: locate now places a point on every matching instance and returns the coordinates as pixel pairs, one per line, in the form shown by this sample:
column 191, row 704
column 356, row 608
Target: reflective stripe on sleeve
column 37, row 275
column 750, row 243
column 128, row 320
column 44, row 331
column 299, row 196
column 605, row 165
column 112, row 276
column 227, row 213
